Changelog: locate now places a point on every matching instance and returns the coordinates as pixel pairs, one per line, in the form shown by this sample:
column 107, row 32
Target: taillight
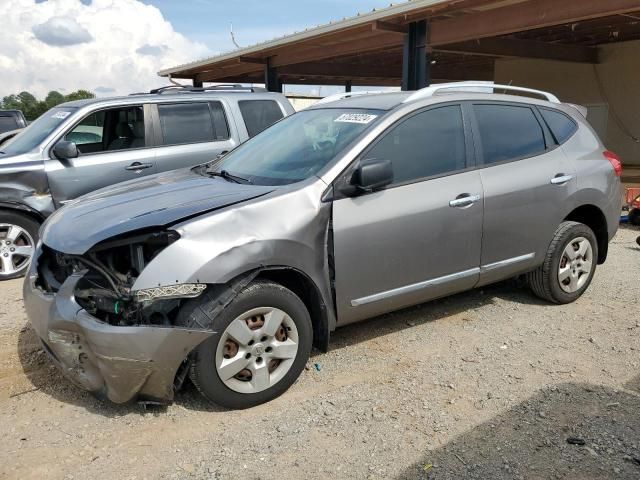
column 615, row 162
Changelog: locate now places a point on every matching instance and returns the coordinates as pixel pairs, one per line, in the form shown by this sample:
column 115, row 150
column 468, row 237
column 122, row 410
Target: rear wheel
column 634, row 216
column 262, row 342
column 569, row 265
column 18, row 238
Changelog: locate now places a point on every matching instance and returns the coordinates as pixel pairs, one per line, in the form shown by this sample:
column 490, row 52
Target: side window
column 7, row 123
column 561, row 126
column 508, row 132
column 110, row 130
column 90, row 130
column 220, row 125
column 427, row 144
column 259, row 114
column 186, row 123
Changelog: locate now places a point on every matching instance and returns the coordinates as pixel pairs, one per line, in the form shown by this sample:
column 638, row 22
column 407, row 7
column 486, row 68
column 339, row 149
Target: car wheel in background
column 18, row 238
column 262, row 342
column 569, row 265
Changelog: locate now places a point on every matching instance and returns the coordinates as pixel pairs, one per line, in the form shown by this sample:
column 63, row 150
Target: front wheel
column 262, row 342
column 569, row 265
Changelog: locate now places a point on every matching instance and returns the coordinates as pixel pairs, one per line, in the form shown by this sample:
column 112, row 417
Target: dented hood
column 153, row 201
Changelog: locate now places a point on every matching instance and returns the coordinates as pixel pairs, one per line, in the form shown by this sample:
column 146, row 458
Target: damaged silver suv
column 227, row 273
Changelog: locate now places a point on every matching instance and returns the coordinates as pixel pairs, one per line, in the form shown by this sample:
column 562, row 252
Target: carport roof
column 465, row 36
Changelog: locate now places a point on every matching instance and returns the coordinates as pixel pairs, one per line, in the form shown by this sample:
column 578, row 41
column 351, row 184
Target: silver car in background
column 81, row 146
column 229, row 272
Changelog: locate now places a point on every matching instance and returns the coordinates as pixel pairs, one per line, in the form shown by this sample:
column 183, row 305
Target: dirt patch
column 417, row 387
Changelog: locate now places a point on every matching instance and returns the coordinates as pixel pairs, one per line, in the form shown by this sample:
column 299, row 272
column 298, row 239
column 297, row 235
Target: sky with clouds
column 117, row 46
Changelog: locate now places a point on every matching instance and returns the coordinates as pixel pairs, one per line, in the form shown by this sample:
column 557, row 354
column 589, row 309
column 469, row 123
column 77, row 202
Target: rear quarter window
column 562, row 127
column 259, row 114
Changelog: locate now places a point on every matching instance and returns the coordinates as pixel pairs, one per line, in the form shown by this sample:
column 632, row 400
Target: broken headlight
column 183, row 290
column 112, row 268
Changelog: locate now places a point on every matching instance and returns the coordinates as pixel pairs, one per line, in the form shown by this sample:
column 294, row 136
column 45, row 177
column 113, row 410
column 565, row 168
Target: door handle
column 465, row 200
column 561, row 179
column 137, row 166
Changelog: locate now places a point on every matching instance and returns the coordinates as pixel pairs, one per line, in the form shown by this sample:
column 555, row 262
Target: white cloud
column 61, row 31
column 107, row 46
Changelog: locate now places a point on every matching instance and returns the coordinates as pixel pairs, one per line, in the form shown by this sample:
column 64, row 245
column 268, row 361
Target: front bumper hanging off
column 121, row 363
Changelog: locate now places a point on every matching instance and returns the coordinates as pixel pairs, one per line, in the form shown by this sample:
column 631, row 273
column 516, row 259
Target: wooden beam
column 327, row 69
column 452, row 73
column 312, row 54
column 381, row 26
column 261, row 61
column 506, row 47
column 523, row 16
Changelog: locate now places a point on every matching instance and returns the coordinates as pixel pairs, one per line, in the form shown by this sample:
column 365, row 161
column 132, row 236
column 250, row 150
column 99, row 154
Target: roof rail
column 212, row 88
column 476, row 86
column 339, row 96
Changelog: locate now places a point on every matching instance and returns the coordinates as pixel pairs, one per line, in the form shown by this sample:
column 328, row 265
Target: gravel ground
column 488, row 384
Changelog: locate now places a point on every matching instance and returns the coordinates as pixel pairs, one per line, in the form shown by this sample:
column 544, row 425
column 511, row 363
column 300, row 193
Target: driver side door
column 112, row 147
column 419, row 238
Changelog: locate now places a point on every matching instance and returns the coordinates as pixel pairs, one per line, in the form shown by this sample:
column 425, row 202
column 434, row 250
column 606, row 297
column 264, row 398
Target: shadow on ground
column 569, row 431
column 442, row 309
column 46, row 378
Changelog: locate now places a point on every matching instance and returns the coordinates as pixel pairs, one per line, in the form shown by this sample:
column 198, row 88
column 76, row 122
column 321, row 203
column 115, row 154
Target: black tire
column 634, row 217
column 544, row 280
column 205, row 311
column 27, row 223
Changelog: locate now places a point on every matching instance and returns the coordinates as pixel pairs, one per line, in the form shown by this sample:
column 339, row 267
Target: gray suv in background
column 228, row 273
column 81, row 146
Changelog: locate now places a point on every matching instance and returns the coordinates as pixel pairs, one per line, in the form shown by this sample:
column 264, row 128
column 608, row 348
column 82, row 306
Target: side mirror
column 64, row 150
column 372, row 175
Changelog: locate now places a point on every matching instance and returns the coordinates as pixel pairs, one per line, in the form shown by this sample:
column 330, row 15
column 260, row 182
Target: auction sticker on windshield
column 356, row 118
column 61, row 115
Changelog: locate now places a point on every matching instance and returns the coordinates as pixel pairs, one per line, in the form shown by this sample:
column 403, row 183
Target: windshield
column 34, row 134
column 297, row 147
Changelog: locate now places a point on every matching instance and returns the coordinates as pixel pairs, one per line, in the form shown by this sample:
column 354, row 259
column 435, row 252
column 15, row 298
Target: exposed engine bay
column 111, row 268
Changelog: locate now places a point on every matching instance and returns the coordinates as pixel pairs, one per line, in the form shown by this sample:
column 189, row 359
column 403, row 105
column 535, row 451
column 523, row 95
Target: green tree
column 80, row 95
column 33, row 108
column 54, row 98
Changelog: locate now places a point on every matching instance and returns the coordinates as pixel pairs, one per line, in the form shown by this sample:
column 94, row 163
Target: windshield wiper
column 227, row 176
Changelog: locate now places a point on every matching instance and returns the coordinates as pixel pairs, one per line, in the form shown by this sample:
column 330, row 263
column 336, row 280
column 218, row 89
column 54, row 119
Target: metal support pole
column 271, row 79
column 416, row 61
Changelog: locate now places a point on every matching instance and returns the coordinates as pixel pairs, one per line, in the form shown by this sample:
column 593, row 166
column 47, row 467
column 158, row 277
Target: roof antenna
column 233, row 38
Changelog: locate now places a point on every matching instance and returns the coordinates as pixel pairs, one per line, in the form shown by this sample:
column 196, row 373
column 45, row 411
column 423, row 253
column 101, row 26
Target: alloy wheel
column 16, row 249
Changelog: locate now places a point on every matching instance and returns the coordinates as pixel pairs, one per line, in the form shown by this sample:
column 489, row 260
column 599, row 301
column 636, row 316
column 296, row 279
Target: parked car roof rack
column 339, row 96
column 478, row 87
column 212, row 88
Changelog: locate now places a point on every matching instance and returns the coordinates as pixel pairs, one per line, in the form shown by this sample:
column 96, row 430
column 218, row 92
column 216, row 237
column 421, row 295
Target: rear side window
column 259, row 114
column 427, row 144
column 186, row 123
column 508, row 132
column 561, row 126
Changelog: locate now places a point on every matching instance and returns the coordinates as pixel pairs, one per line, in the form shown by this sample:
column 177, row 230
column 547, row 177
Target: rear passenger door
column 191, row 133
column 526, row 179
